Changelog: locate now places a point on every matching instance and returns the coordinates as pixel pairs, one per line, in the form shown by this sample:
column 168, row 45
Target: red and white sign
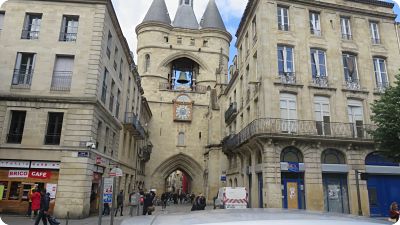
column 14, row 164
column 18, row 173
column 39, row 174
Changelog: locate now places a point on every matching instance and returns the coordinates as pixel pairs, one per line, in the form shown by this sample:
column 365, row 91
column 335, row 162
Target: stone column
column 271, row 177
column 314, row 192
column 217, row 162
column 357, row 162
column 74, row 187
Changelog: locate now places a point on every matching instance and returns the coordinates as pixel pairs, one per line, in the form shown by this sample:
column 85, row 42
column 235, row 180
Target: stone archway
column 183, row 163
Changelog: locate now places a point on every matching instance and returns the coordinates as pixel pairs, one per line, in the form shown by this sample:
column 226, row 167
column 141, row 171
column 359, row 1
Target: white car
column 253, row 217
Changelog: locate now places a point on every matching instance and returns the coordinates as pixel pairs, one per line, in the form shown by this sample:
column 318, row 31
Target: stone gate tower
column 183, row 64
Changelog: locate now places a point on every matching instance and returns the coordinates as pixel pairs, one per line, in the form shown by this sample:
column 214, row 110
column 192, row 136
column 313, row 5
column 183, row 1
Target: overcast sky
column 131, row 13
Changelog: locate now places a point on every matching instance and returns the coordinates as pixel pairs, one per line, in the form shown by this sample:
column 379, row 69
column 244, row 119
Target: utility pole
column 358, row 193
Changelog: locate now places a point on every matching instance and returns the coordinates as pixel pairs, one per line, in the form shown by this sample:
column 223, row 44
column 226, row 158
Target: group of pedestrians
column 39, row 204
column 199, row 203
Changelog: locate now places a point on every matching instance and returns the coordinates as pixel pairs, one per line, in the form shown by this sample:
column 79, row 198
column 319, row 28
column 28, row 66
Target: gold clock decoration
column 183, row 106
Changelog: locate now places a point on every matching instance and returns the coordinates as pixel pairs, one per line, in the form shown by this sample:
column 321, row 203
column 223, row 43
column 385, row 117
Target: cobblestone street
column 16, row 220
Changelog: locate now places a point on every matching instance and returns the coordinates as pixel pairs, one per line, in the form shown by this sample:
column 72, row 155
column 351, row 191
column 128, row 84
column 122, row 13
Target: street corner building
column 71, row 105
column 297, row 107
column 289, row 119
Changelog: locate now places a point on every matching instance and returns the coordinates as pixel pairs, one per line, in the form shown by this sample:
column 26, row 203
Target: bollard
column 67, row 221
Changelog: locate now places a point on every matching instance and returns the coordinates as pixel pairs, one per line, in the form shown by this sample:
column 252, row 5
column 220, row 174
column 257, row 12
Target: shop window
column 15, row 189
column 5, row 184
column 25, row 193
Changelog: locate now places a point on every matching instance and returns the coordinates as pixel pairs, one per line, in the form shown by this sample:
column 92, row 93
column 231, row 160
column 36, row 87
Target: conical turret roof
column 185, row 17
column 212, row 17
column 158, row 12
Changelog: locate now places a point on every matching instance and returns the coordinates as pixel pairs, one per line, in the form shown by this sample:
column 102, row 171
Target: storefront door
column 260, row 190
column 382, row 191
column 293, row 191
column 335, row 192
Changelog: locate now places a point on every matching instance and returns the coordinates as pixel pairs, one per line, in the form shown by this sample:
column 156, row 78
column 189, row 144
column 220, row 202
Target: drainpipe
column 358, row 193
column 397, row 34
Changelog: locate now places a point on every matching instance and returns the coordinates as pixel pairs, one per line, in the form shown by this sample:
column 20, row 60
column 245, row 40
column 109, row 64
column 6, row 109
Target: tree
column 386, row 115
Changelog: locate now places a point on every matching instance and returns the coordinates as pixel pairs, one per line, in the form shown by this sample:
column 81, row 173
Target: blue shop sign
column 293, row 167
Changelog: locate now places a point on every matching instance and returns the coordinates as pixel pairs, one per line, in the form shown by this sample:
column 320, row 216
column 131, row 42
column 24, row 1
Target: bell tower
column 180, row 66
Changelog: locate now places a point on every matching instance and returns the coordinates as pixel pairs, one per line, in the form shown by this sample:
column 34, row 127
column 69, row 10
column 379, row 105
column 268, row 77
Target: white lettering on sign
column 18, row 173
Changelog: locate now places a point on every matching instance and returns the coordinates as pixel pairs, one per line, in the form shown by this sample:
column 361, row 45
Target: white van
column 231, row 198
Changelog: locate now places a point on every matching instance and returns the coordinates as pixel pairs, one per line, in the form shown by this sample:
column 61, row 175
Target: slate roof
column 212, row 17
column 185, row 18
column 158, row 12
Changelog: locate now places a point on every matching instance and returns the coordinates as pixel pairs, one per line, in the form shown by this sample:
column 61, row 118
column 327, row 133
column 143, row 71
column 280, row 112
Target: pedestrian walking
column 134, row 199
column 148, row 205
column 194, row 205
column 120, row 202
column 106, row 209
column 35, row 197
column 44, row 208
column 394, row 211
column 29, row 212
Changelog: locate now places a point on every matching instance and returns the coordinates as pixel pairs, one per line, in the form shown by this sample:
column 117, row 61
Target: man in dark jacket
column 44, row 208
column 120, row 202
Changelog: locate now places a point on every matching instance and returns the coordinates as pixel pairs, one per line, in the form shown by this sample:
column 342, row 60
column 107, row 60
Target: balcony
column 30, row 34
column 302, row 129
column 287, row 77
column 132, row 123
column 381, row 87
column 61, row 81
column 22, row 78
column 352, row 84
column 320, row 82
column 195, row 89
column 347, row 37
column 231, row 113
column 68, row 37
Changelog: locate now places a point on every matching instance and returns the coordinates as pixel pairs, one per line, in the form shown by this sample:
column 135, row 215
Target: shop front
column 18, row 177
column 95, row 190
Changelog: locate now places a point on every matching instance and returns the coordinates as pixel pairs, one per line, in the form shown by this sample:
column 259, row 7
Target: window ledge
column 361, row 91
column 288, row 85
column 322, row 88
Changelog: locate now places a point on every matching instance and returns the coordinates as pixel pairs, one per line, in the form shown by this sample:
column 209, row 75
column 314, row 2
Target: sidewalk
column 18, row 220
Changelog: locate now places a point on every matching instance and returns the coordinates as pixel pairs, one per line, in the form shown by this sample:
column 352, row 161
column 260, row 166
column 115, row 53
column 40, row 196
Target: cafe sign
column 33, row 174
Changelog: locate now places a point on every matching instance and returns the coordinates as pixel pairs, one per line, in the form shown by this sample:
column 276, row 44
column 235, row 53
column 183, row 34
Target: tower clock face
column 182, row 112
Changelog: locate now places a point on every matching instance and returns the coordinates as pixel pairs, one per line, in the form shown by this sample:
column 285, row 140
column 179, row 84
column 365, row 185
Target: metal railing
column 134, row 123
column 347, row 36
column 299, row 128
column 381, row 87
column 284, row 27
column 68, row 37
column 376, row 41
column 14, row 138
column 231, row 113
column 287, row 77
column 352, row 84
column 52, row 139
column 29, row 34
column 320, row 81
column 22, row 78
column 61, row 81
column 315, row 32
column 196, row 89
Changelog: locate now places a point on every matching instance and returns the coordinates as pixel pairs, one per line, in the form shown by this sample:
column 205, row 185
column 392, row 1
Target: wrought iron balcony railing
column 195, row 89
column 133, row 124
column 299, row 128
column 287, row 77
column 376, row 41
column 347, row 37
column 231, row 113
column 29, row 34
column 22, row 78
column 381, row 87
column 61, row 81
column 320, row 81
column 352, row 84
column 68, row 37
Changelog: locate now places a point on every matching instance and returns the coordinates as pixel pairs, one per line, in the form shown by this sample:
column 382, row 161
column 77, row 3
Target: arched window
column 147, row 63
column 181, row 139
column 291, row 154
column 333, row 156
column 379, row 159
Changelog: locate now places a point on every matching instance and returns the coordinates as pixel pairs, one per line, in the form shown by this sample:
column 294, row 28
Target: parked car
column 253, row 217
column 231, row 198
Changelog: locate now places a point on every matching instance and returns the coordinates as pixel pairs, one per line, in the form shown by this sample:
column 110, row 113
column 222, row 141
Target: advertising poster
column 52, row 189
column 108, row 190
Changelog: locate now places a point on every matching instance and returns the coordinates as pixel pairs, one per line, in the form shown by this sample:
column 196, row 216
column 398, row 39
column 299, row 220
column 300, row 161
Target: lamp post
column 358, row 192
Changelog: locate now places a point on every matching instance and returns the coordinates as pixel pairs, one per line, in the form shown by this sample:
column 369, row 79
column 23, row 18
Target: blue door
column 260, row 190
column 293, row 187
column 382, row 191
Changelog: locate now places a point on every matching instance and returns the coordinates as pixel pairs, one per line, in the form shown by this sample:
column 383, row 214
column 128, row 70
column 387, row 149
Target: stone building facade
column 297, row 108
column 182, row 64
column 71, row 104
